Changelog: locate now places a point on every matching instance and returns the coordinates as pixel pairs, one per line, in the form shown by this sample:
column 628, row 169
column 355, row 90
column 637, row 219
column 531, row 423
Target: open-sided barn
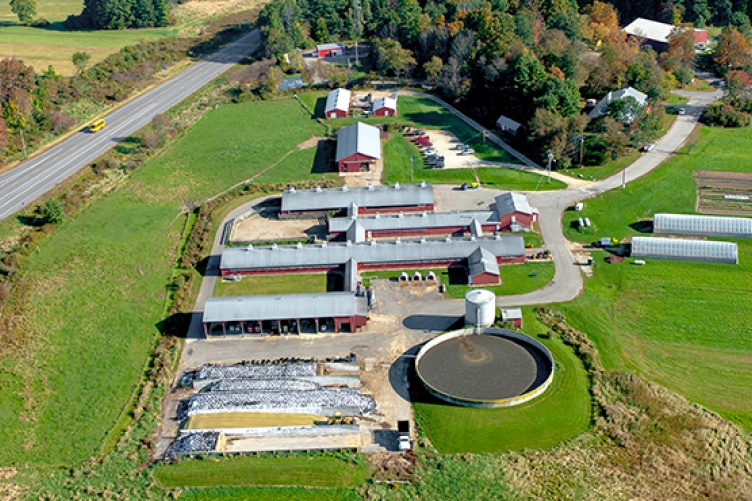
column 685, row 250
column 709, row 226
column 368, row 199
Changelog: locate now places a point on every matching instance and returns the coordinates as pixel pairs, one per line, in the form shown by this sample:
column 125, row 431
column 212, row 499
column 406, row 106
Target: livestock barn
column 330, row 49
column 360, row 200
column 337, row 103
column 385, row 107
column 514, row 212
column 284, row 314
column 324, row 257
column 358, row 146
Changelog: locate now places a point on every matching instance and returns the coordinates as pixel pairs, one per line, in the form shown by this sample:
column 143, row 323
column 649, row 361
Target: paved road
column 22, row 185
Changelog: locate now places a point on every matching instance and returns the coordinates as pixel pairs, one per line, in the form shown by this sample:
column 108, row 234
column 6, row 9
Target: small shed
column 337, row 103
column 330, row 49
column 506, row 124
column 385, row 107
column 513, row 315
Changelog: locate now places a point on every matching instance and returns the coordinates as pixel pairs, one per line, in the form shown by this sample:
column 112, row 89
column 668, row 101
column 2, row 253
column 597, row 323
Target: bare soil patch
column 310, row 143
column 727, row 193
column 257, row 228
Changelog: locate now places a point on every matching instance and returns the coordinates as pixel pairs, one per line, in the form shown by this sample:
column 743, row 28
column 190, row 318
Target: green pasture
column 294, row 470
column 561, row 413
column 681, row 324
column 267, row 285
column 268, row 494
column 60, row 396
column 308, row 164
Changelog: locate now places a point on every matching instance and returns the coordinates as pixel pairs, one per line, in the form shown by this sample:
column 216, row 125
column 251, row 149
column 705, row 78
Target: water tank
column 480, row 308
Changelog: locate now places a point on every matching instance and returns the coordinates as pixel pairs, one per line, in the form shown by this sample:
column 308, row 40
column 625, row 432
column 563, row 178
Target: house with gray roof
column 358, row 146
column 602, row 108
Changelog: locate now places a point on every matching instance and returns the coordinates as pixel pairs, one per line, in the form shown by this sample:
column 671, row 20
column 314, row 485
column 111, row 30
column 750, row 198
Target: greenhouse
column 690, row 224
column 685, row 250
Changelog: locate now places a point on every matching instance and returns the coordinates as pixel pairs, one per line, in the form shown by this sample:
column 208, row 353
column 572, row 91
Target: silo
column 480, row 308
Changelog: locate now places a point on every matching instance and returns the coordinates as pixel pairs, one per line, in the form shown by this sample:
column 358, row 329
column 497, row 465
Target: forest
column 545, row 57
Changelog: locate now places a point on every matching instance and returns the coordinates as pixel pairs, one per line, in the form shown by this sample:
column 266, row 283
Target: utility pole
column 411, row 169
column 582, row 148
column 624, row 178
column 356, row 26
column 550, row 159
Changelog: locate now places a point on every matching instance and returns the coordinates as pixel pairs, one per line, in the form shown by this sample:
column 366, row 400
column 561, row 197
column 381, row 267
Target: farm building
column 482, row 268
column 506, row 124
column 708, row 226
column 513, row 315
column 385, row 107
column 656, row 34
column 290, row 313
column 365, row 200
column 337, row 103
column 685, row 250
column 330, row 49
column 514, row 212
column 372, row 255
column 359, row 229
column 601, row 109
column 358, row 146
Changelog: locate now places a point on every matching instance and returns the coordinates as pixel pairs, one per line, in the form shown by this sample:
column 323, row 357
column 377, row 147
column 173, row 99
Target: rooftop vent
column 448, row 238
column 398, row 241
column 377, row 216
column 323, row 244
column 425, row 214
column 318, row 189
column 396, row 186
column 349, row 243
column 300, row 245
column 249, row 248
column 274, row 246
column 401, row 214
column 370, row 187
column 344, row 187
column 422, row 184
column 472, row 238
column 422, row 240
column 373, row 242
column 292, row 189
column 498, row 237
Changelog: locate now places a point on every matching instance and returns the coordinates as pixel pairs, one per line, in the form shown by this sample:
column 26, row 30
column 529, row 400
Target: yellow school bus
column 96, row 125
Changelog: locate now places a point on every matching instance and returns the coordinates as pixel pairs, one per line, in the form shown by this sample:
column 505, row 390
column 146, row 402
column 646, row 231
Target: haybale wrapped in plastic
column 239, row 385
column 253, row 371
column 195, row 443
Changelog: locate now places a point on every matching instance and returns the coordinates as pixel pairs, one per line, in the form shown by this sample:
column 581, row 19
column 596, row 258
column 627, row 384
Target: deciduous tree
column 80, row 60
column 26, row 10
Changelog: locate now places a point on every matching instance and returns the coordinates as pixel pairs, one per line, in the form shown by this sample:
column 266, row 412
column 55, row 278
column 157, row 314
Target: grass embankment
column 681, row 324
column 295, row 470
column 561, row 413
column 267, row 285
column 94, row 293
column 516, row 279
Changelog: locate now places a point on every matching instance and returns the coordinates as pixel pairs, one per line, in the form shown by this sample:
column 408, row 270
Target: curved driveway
column 22, row 185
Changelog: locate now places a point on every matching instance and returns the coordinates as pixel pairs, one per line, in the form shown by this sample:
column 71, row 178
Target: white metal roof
column 385, row 102
column 284, row 307
column 406, row 222
column 338, row 99
column 511, row 313
column 322, row 199
column 482, row 261
column 333, row 45
column 685, row 250
column 691, row 224
column 358, row 138
column 509, row 203
column 601, row 109
column 393, row 252
column 652, row 30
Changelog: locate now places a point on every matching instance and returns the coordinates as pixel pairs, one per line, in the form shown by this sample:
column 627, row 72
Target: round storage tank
column 480, row 308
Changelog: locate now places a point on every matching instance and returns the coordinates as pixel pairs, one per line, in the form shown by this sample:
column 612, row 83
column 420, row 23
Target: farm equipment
column 338, row 418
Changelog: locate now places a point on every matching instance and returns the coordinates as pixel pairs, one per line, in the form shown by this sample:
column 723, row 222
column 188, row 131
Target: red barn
column 385, row 107
column 513, row 315
column 358, row 146
column 515, row 213
column 482, row 268
column 337, row 104
column 330, row 49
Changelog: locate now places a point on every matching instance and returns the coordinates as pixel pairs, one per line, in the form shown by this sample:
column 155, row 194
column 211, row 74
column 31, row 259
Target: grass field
column 296, row 470
column 264, row 285
column 561, row 413
column 604, row 170
column 680, row 324
column 268, row 494
column 60, row 397
column 301, row 165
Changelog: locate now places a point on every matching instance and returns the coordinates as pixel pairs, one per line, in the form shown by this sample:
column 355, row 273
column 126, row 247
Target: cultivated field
column 63, row 390
column 681, row 324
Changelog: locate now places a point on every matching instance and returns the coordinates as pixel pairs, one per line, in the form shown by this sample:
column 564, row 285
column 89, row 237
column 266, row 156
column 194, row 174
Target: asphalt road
column 24, row 184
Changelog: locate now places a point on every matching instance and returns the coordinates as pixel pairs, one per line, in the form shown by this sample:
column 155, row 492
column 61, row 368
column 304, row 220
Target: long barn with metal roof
column 710, row 226
column 368, row 255
column 284, row 314
column 368, row 199
column 428, row 223
column 685, row 250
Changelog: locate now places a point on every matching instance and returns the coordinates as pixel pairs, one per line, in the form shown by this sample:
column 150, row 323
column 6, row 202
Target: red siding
column 330, row 52
column 385, row 112
column 701, row 36
column 336, row 113
column 485, row 279
column 395, row 210
column 353, row 162
column 521, row 218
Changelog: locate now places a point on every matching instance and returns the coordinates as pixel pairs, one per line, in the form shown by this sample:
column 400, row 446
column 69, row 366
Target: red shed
column 513, row 315
column 337, row 104
column 330, row 49
column 385, row 107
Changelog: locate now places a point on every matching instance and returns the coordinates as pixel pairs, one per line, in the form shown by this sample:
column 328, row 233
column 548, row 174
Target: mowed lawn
column 94, row 293
column 297, row 470
column 561, row 413
column 41, row 47
column 682, row 324
column 264, row 285
column 268, row 494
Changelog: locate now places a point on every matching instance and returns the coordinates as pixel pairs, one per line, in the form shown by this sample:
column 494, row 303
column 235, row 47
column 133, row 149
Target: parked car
column 430, row 151
column 467, row 151
column 438, row 165
column 460, row 146
column 434, row 158
column 682, row 111
column 469, row 186
column 648, row 147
